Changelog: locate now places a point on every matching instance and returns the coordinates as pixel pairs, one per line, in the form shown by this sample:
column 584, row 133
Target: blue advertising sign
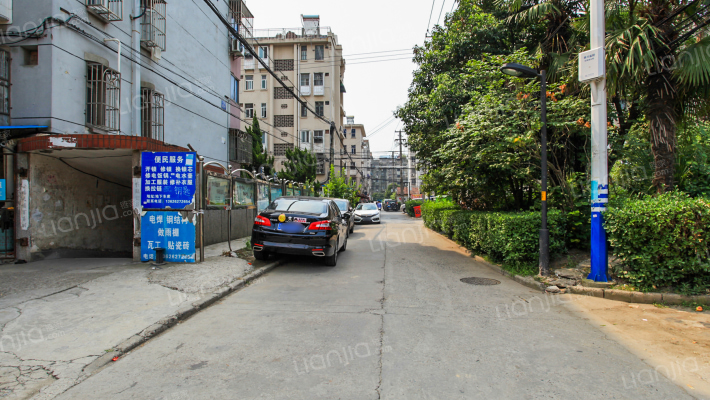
column 168, row 179
column 3, row 190
column 170, row 231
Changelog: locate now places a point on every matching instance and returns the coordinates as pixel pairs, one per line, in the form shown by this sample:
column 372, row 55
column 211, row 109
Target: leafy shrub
column 662, row 241
column 409, row 206
column 508, row 237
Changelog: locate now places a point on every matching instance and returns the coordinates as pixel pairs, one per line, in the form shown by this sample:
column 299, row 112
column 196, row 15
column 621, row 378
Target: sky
column 384, row 30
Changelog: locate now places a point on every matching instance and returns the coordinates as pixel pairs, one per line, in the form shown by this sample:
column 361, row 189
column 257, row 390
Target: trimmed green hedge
column 409, row 206
column 662, row 242
column 508, row 237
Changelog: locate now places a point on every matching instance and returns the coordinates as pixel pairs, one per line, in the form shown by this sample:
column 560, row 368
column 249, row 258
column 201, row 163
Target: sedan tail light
column 262, row 221
column 320, row 226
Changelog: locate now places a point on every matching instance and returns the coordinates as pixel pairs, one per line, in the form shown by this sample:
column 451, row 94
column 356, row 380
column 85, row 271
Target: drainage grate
column 480, row 281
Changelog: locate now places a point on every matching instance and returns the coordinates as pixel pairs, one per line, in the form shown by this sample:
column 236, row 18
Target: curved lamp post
column 522, row 71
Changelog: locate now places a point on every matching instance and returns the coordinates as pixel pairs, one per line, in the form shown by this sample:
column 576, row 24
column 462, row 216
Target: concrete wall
column 54, row 92
column 73, row 214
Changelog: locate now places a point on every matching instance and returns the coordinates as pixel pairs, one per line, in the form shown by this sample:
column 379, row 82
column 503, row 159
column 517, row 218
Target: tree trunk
column 661, row 114
column 662, row 99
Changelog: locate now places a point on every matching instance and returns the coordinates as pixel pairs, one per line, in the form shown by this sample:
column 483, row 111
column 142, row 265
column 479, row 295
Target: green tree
column 339, row 186
column 300, row 166
column 260, row 158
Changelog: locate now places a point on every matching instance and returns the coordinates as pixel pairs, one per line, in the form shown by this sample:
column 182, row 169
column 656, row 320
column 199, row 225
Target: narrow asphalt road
column 391, row 321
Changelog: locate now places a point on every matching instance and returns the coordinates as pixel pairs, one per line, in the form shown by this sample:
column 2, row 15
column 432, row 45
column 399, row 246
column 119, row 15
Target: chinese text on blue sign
column 171, row 231
column 168, row 180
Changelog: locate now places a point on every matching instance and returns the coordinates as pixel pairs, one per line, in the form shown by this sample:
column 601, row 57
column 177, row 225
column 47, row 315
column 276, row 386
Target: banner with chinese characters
column 173, row 231
column 243, row 193
column 217, row 191
column 262, row 199
column 168, row 179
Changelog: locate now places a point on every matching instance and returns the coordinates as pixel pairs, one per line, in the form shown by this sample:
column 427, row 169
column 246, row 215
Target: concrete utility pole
column 600, row 172
column 332, row 149
column 401, row 166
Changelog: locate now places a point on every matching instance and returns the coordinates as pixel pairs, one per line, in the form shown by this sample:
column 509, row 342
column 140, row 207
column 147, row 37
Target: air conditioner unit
column 5, row 11
column 236, row 47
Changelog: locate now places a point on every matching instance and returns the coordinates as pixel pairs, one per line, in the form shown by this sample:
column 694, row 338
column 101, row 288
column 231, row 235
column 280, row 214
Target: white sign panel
column 592, row 65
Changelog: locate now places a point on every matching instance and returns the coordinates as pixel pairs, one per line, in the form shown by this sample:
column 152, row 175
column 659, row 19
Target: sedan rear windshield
column 299, row 206
column 342, row 204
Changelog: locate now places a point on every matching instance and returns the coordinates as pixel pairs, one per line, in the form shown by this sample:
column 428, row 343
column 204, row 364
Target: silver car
column 367, row 214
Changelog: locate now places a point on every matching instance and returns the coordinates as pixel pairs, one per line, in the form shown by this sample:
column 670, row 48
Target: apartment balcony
column 249, row 63
column 306, row 90
column 318, row 148
column 319, row 90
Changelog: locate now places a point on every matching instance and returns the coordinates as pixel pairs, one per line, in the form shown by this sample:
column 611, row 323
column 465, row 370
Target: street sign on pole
column 173, row 231
column 600, row 173
column 168, row 180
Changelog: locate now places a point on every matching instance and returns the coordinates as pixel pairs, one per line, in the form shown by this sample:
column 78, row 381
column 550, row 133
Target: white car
column 367, row 213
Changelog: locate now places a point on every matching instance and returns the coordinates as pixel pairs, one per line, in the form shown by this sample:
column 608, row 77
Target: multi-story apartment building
column 93, row 83
column 415, row 171
column 309, row 60
column 387, row 170
column 354, row 152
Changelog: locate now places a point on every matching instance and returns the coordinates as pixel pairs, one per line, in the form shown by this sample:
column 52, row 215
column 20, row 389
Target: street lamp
column 522, row 71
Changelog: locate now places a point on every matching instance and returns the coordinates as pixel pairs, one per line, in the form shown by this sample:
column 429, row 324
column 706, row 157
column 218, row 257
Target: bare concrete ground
column 391, row 321
column 58, row 316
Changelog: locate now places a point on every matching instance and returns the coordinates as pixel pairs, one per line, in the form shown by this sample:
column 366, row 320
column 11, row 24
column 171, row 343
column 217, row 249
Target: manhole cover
column 480, row 281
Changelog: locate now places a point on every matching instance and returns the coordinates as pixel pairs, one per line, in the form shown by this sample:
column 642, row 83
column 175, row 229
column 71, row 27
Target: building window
column 304, row 53
column 264, row 53
column 249, row 82
column 108, row 10
column 318, row 79
column 263, row 82
column 305, row 136
column 263, row 110
column 305, row 84
column 351, row 120
column 352, row 164
column 318, row 137
column 152, row 114
column 320, row 111
column 240, row 147
column 353, row 149
column 153, row 26
column 320, row 170
column 304, row 111
column 4, row 88
column 249, row 110
column 320, row 53
column 103, row 97
column 352, row 133
column 234, row 95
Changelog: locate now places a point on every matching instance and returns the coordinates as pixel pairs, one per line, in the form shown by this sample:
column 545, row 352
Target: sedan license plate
column 290, row 227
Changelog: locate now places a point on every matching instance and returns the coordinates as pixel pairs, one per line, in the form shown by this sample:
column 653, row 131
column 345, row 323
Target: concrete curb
column 182, row 314
column 609, row 294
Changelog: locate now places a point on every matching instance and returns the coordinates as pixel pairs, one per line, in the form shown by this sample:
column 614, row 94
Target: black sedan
column 300, row 225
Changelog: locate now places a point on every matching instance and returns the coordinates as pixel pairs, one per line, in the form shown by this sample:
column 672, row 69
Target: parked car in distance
column 367, row 213
column 300, row 225
column 347, row 210
column 390, row 205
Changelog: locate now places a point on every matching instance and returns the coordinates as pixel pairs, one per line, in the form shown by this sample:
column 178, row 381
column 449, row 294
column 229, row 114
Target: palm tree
column 658, row 54
column 658, row 46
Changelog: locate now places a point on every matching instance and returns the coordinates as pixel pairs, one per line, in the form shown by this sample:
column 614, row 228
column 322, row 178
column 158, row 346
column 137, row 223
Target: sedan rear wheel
column 261, row 255
column 332, row 260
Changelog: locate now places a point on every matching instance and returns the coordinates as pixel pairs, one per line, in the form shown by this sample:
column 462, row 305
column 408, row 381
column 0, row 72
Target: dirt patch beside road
column 674, row 342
